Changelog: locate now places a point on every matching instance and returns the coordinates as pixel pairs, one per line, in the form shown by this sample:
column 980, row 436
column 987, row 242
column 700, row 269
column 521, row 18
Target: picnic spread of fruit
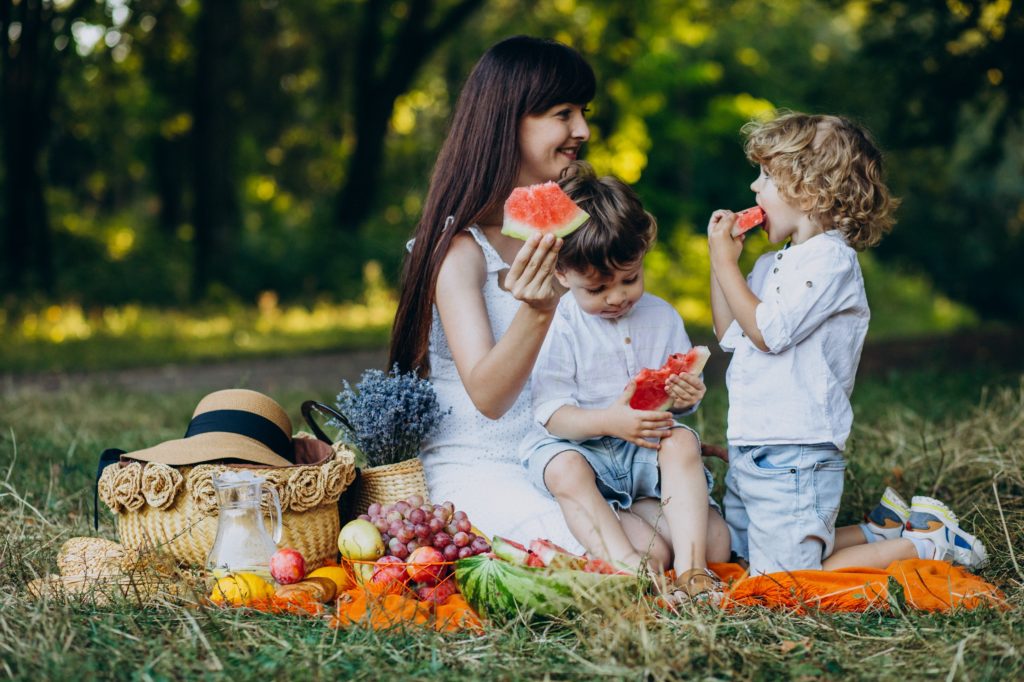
column 412, row 560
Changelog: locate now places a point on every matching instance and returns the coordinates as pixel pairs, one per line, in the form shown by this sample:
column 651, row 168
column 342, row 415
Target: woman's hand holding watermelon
column 685, row 389
column 531, row 279
column 636, row 426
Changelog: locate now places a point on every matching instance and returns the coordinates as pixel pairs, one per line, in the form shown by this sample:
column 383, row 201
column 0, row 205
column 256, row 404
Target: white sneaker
column 932, row 520
column 889, row 518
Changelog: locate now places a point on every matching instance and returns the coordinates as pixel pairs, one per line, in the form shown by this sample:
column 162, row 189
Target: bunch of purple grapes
column 412, row 523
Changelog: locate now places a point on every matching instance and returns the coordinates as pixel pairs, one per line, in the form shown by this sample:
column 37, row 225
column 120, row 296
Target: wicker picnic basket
column 384, row 484
column 175, row 508
column 389, row 483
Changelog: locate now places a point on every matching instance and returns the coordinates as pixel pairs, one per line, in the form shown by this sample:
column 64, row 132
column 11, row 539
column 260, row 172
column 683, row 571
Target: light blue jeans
column 624, row 472
column 781, row 503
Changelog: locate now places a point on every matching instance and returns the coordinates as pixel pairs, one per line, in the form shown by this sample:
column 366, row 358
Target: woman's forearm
column 498, row 378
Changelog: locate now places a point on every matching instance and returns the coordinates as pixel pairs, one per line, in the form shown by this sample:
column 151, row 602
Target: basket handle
column 307, row 414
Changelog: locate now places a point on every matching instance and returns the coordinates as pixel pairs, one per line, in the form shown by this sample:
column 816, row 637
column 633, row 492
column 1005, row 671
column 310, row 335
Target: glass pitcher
column 243, row 543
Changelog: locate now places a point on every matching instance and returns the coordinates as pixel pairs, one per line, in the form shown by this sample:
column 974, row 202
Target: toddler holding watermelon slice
column 589, row 449
column 796, row 327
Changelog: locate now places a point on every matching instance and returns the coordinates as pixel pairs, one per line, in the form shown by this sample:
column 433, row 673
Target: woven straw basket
column 389, row 483
column 175, row 508
column 385, row 484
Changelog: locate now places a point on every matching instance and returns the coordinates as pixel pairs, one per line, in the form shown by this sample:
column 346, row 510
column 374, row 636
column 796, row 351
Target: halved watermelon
column 500, row 590
column 747, row 220
column 541, row 208
column 650, row 391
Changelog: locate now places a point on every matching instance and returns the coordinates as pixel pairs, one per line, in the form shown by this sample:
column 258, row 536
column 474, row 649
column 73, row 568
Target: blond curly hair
column 829, row 168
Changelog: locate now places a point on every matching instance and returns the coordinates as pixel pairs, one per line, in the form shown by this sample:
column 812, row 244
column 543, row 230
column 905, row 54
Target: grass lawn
column 957, row 436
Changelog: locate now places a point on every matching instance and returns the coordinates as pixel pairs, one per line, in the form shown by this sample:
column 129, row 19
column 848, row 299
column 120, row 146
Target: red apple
column 426, row 565
column 287, row 566
column 389, row 574
column 437, row 593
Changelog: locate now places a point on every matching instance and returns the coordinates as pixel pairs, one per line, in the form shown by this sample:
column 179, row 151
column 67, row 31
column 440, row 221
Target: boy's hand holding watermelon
column 636, row 426
column 685, row 390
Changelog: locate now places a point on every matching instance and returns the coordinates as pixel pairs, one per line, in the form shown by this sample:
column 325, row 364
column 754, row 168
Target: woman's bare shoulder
column 465, row 262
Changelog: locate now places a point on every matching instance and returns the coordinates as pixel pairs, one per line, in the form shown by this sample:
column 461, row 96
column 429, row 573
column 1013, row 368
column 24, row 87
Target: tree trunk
column 29, row 71
column 215, row 211
column 378, row 83
column 21, row 153
column 170, row 81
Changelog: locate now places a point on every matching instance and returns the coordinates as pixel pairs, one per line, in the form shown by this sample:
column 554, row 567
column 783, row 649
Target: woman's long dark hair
column 478, row 166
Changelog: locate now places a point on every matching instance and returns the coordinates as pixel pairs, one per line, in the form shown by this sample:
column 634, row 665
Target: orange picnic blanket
column 913, row 583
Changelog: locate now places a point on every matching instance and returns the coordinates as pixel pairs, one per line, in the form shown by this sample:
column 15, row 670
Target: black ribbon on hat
column 108, row 457
column 246, row 424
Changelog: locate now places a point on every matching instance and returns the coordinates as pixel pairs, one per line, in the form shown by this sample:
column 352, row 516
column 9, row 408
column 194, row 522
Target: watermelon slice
column 747, row 220
column 541, row 208
column 650, row 391
column 553, row 556
column 510, row 551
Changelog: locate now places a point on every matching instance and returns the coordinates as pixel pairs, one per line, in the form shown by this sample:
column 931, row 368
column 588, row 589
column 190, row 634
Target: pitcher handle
column 277, row 514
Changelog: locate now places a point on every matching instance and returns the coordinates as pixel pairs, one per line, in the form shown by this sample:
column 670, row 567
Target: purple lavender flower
column 390, row 415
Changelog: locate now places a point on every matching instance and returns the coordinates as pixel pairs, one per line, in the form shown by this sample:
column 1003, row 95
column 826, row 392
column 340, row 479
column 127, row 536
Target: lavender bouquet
column 387, row 416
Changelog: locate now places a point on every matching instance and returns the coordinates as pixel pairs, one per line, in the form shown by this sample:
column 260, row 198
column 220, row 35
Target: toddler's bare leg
column 646, row 540
column 849, row 536
column 872, row 555
column 684, row 496
column 718, row 540
column 719, row 543
column 572, row 481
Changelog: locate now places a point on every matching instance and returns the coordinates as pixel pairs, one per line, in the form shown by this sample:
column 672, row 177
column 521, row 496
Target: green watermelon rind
column 701, row 355
column 522, row 230
column 500, row 590
column 506, row 550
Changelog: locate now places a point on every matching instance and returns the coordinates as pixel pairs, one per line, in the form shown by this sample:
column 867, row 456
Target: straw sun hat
column 231, row 424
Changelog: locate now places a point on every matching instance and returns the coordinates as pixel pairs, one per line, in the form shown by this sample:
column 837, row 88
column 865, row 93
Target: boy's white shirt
column 587, row 361
column 813, row 317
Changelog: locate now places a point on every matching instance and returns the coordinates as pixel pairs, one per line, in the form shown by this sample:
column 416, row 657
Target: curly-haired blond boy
column 796, row 327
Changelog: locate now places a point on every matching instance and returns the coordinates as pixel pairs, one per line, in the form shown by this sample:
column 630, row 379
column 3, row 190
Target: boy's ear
column 562, row 279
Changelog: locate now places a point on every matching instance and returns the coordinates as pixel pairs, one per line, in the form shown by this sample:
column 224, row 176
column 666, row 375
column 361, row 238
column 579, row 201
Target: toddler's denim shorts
column 625, row 472
column 781, row 503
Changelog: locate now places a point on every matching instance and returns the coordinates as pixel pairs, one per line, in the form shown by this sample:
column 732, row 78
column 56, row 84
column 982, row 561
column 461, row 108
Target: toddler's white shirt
column 813, row 317
column 587, row 361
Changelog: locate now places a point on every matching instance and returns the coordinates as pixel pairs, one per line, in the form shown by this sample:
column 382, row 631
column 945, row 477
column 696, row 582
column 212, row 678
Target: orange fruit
column 337, row 574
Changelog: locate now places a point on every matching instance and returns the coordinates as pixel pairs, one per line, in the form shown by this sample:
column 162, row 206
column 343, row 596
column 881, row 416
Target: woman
column 467, row 319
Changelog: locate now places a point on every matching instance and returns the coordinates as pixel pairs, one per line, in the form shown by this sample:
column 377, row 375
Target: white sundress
column 472, row 460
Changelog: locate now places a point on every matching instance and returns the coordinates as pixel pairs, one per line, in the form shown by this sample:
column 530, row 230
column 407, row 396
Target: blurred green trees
column 168, row 150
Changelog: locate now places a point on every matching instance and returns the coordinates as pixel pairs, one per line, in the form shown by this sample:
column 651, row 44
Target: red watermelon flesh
column 747, row 220
column 650, row 391
column 553, row 556
column 541, row 208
